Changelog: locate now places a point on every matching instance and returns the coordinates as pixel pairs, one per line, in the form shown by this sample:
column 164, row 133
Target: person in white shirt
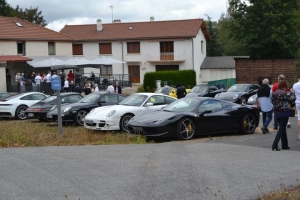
column 296, row 88
column 48, row 77
column 96, row 89
column 38, row 80
column 110, row 88
column 66, row 85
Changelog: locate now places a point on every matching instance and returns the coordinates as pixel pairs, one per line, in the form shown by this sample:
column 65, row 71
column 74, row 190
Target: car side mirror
column 148, row 104
column 204, row 112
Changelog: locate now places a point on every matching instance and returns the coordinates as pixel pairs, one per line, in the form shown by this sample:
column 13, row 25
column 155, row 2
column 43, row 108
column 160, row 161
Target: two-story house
column 22, row 41
column 144, row 46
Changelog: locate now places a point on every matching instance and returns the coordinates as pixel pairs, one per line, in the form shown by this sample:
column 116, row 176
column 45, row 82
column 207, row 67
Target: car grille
column 90, row 123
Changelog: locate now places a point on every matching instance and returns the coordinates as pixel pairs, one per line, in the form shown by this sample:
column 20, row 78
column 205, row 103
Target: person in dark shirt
column 181, row 92
column 77, row 89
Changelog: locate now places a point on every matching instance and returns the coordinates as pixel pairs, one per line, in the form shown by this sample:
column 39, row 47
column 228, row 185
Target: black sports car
column 40, row 109
column 204, row 90
column 191, row 116
column 238, row 93
column 76, row 112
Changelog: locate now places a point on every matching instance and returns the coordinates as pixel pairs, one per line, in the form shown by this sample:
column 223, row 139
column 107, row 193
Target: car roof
column 65, row 94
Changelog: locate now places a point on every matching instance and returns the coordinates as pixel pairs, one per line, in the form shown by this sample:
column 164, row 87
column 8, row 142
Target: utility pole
column 112, row 13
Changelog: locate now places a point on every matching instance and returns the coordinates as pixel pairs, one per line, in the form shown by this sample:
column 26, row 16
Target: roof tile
column 13, row 58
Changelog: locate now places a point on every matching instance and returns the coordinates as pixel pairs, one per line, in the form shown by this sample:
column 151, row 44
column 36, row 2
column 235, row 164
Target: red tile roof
column 9, row 30
column 140, row 30
column 14, row 58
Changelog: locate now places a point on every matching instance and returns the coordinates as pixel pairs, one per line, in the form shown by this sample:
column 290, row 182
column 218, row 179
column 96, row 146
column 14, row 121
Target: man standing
column 166, row 89
column 181, row 92
column 118, row 88
column 110, row 88
column 264, row 101
column 38, row 81
column 296, row 88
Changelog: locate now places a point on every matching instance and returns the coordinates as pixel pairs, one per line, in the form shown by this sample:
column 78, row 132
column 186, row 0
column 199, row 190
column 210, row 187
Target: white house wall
column 198, row 55
column 8, row 47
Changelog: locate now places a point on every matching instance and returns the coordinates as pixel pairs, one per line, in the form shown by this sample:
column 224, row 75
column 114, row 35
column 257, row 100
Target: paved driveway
column 241, row 167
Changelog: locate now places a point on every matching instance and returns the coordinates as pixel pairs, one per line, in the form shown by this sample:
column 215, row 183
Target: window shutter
column 77, row 49
column 105, row 48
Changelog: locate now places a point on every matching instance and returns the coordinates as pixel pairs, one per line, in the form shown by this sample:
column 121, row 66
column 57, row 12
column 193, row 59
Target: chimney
column 99, row 25
column 151, row 19
column 117, row 21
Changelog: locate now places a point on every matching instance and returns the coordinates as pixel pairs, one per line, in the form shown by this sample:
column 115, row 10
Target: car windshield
column 48, row 99
column 182, row 105
column 199, row 89
column 238, row 88
column 91, row 98
column 134, row 100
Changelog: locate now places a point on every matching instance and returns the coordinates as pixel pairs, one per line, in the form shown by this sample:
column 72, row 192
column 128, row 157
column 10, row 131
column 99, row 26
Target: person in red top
column 71, row 76
column 281, row 77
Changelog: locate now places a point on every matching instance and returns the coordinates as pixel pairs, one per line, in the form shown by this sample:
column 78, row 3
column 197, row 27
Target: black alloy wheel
column 79, row 117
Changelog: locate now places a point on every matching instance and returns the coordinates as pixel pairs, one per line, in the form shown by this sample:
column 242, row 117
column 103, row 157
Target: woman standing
column 282, row 101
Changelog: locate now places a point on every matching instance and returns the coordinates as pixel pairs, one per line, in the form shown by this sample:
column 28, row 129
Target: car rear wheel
column 79, row 117
column 20, row 112
column 243, row 101
column 124, row 122
column 186, row 129
column 248, row 125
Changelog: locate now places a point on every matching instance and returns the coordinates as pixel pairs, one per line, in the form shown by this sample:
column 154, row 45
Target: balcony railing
column 167, row 56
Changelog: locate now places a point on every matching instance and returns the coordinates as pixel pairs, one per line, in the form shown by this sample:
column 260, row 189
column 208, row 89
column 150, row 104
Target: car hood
column 102, row 111
column 226, row 95
column 152, row 117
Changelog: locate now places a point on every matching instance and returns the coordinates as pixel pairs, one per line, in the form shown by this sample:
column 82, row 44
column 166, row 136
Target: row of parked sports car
column 150, row 114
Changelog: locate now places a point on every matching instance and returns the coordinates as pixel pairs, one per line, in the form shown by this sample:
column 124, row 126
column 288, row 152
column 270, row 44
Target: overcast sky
column 58, row 13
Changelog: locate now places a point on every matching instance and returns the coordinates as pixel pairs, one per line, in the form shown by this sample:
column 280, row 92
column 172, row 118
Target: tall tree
column 265, row 28
column 213, row 48
column 5, row 9
column 32, row 15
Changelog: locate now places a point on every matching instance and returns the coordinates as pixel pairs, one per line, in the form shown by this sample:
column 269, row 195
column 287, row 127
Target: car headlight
column 251, row 99
column 217, row 95
column 67, row 109
column 111, row 113
column 235, row 96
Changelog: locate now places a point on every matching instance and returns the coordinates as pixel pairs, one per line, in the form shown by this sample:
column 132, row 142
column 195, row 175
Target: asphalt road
column 231, row 167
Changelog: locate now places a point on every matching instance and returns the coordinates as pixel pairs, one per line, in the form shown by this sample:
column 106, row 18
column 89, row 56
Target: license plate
column 88, row 121
column 49, row 116
column 30, row 114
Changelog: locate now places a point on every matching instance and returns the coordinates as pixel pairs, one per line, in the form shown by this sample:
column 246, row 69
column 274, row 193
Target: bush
column 185, row 77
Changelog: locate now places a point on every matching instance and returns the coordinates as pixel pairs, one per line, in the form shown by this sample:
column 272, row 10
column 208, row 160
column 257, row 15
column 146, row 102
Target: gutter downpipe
column 193, row 53
column 122, row 63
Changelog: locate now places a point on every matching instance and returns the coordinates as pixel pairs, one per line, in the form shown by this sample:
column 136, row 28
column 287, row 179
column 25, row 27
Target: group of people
column 280, row 99
column 180, row 90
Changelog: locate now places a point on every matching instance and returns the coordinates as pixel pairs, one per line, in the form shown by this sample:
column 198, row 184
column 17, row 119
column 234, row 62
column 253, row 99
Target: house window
column 167, row 50
column 134, row 71
column 105, row 48
column 133, row 47
column 166, row 67
column 51, row 48
column 21, row 48
column 106, row 70
column 77, row 49
column 202, row 50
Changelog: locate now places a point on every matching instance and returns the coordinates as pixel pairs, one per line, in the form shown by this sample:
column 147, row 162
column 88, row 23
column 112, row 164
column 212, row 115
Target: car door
column 216, row 121
column 33, row 98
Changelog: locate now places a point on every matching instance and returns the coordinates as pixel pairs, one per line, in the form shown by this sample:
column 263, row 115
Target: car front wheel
column 248, row 125
column 20, row 112
column 79, row 117
column 186, row 129
column 124, row 122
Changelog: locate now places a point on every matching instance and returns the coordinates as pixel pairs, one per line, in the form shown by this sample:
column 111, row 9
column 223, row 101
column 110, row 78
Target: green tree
column 32, row 15
column 213, row 48
column 265, row 28
column 5, row 9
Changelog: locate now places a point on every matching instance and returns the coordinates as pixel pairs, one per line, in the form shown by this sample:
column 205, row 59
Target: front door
column 134, row 71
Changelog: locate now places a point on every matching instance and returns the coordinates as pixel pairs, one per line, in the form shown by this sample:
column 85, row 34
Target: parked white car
column 15, row 106
column 116, row 117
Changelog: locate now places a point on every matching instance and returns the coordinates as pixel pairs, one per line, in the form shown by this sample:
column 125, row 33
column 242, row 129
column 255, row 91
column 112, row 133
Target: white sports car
column 116, row 117
column 14, row 106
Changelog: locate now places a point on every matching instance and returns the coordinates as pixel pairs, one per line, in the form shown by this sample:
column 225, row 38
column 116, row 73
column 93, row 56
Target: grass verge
column 284, row 194
column 33, row 133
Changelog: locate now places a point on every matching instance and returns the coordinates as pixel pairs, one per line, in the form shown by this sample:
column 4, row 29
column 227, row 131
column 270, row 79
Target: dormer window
column 130, row 28
column 19, row 24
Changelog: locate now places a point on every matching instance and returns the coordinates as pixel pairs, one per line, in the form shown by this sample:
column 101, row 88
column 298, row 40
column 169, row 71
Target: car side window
column 113, row 98
column 27, row 97
column 121, row 98
column 156, row 100
column 213, row 105
column 38, row 97
column 74, row 98
column 64, row 100
column 213, row 88
column 169, row 100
